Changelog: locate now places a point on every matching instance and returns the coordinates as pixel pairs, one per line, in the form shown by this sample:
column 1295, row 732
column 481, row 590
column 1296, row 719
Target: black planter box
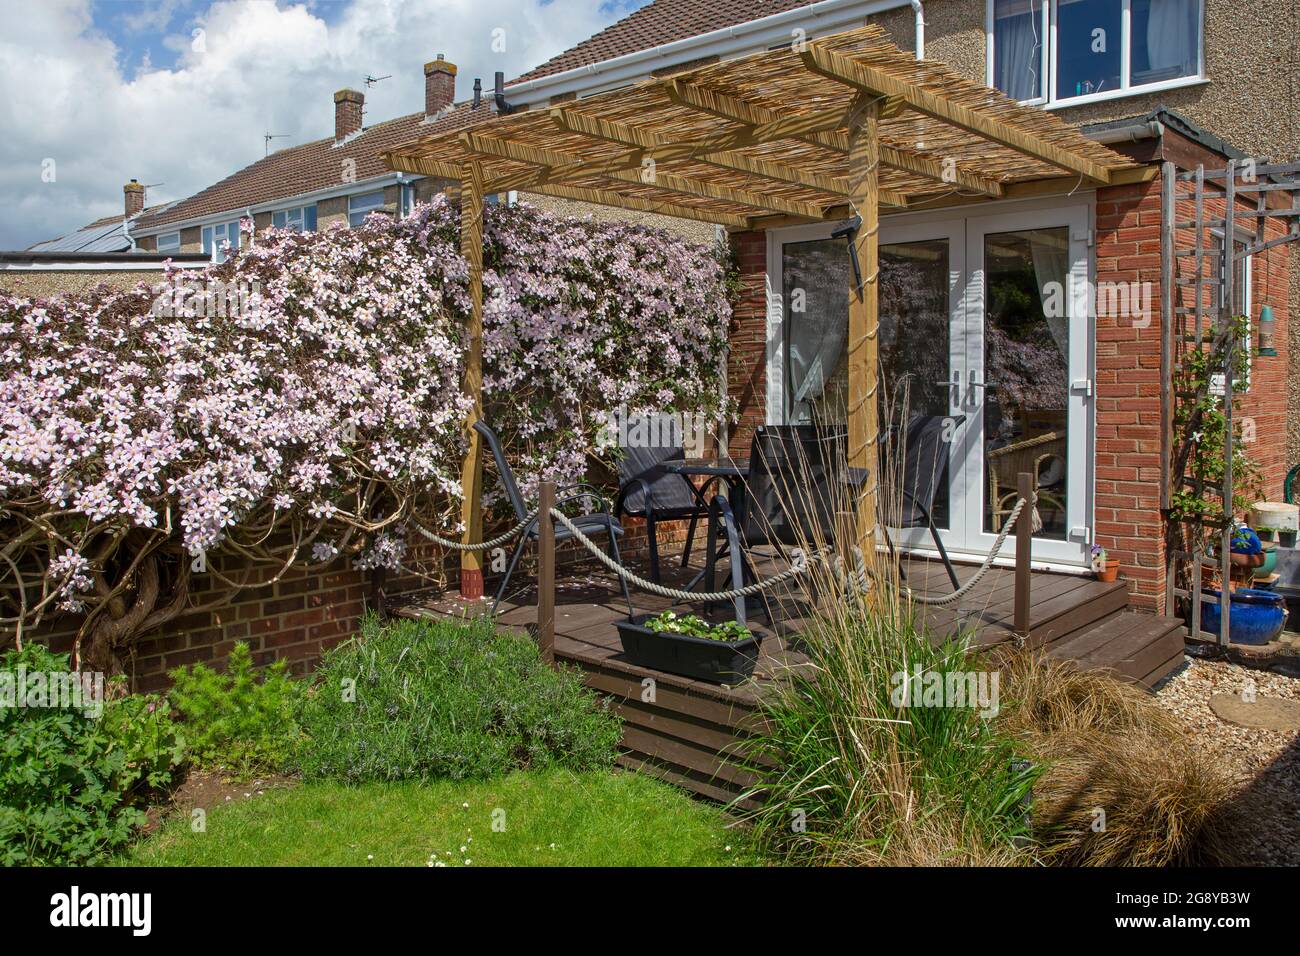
column 720, row 662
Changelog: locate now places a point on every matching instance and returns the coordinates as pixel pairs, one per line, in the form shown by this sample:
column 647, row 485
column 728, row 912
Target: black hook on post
column 849, row 230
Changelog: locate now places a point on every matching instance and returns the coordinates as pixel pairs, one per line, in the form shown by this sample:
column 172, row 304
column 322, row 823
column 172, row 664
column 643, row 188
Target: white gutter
column 1128, row 133
column 828, row 16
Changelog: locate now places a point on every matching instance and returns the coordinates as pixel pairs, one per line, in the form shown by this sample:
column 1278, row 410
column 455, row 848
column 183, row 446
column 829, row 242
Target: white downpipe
column 920, row 29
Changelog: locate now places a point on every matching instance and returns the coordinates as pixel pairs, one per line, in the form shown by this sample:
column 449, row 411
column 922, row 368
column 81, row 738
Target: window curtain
column 1016, row 48
column 1052, row 265
column 1171, row 37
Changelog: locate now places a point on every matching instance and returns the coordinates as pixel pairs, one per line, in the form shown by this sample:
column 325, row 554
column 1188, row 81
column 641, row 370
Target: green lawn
column 557, row 818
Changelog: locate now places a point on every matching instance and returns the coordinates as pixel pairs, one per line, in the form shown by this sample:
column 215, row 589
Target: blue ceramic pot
column 1256, row 616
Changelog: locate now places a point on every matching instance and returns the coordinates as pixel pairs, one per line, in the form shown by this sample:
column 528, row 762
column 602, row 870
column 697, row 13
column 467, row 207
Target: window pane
column 207, row 239
column 815, row 282
column 915, row 322
column 1018, row 48
column 277, row 220
column 309, row 218
column 171, row 242
column 1088, row 45
column 1026, row 369
column 1165, row 40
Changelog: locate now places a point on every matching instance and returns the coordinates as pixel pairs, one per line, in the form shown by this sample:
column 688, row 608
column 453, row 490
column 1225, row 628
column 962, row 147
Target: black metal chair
column 796, row 483
column 923, row 445
column 591, row 525
column 647, row 490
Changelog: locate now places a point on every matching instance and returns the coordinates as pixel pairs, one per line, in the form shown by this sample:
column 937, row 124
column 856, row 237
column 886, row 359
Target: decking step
column 1134, row 645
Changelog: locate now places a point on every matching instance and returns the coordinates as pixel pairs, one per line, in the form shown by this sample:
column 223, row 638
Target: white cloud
column 260, row 67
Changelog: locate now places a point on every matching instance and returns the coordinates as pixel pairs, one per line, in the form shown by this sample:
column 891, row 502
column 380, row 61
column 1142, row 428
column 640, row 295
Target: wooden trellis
column 1200, row 212
column 826, row 129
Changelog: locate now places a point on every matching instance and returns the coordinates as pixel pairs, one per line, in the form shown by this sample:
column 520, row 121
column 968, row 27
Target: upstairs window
column 217, row 238
column 297, row 219
column 1064, row 51
column 361, row 206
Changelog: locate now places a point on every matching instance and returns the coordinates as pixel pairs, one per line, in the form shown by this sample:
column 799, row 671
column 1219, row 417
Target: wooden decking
column 685, row 731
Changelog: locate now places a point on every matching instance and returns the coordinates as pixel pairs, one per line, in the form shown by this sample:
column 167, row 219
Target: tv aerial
column 266, row 141
column 372, row 80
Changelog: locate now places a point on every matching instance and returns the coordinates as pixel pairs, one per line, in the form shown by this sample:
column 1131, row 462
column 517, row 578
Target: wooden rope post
column 864, row 319
column 1024, row 547
column 546, row 573
column 471, row 475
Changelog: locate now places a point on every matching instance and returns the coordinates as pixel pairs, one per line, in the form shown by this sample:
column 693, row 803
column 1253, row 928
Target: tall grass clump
column 852, row 772
column 855, row 774
column 447, row 699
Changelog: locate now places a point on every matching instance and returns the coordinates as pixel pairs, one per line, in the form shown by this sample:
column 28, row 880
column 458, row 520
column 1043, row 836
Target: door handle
column 954, row 388
column 973, row 384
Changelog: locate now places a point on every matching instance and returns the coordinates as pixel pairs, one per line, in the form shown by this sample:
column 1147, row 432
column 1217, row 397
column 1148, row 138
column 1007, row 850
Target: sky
column 178, row 93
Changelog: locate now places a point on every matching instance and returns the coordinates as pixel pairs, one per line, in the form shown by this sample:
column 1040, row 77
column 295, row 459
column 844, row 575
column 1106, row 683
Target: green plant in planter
column 669, row 622
column 1205, row 463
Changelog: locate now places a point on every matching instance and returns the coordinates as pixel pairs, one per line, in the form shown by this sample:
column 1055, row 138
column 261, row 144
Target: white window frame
column 168, row 242
column 208, row 237
column 291, row 215
column 367, row 210
column 1048, row 65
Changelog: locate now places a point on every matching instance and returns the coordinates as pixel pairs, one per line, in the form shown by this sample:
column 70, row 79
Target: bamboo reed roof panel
column 768, row 133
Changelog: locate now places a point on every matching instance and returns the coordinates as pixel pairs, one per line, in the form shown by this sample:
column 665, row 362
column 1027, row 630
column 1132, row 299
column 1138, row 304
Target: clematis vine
column 316, row 413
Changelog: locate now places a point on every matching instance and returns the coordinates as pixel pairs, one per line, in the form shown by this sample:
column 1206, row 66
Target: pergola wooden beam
column 607, row 197
column 718, row 149
column 737, row 110
column 573, row 167
column 825, row 61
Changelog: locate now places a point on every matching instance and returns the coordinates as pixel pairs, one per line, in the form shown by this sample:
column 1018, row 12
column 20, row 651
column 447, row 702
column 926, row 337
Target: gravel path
column 1266, row 764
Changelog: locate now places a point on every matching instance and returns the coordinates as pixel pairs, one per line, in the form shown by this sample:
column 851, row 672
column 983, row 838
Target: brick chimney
column 133, row 193
column 347, row 113
column 439, row 86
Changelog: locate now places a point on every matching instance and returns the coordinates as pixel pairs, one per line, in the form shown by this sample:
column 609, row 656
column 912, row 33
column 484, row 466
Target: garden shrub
column 234, row 722
column 426, row 699
column 72, row 782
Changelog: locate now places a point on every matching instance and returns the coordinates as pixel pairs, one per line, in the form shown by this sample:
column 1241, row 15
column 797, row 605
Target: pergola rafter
column 842, row 126
column 741, row 111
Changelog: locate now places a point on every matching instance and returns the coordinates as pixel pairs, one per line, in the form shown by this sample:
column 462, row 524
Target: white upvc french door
column 986, row 316
column 1029, row 389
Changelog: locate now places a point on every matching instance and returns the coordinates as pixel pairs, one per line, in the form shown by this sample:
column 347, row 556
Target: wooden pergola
column 821, row 130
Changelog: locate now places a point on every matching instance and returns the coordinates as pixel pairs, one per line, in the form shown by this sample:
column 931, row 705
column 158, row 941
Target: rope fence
column 861, row 577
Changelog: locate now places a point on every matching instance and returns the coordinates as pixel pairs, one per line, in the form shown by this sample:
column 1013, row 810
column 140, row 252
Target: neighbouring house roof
column 311, row 167
column 299, row 170
column 657, row 23
column 102, row 235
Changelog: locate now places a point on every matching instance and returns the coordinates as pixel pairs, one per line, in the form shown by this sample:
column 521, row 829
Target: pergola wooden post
column 864, row 317
column 471, row 474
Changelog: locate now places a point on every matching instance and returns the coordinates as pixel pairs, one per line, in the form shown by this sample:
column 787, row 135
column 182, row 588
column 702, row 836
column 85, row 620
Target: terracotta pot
column 1108, row 572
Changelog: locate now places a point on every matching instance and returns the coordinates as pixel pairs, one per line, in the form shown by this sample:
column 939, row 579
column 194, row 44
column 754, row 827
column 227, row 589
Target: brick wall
column 1126, row 516
column 747, row 358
